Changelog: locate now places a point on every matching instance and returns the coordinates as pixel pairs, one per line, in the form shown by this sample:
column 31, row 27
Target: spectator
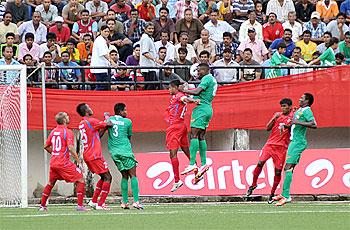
column 10, row 42
column 228, row 43
column 167, row 75
column 203, row 58
column 338, row 27
column 84, row 26
column 247, row 74
column 281, row 8
column 316, row 27
column 97, row 9
column 6, row 26
column 191, row 54
column 29, row 62
column 328, row 10
column 292, row 24
column 34, row 26
column 69, row 75
column 2, row 9
column 134, row 27
column 74, row 55
column 326, row 39
column 122, row 10
column 89, row 77
column 85, row 48
column 258, row 47
column 339, row 59
column 184, row 73
column 51, row 75
column 287, row 39
column 146, row 10
column 134, row 59
column 119, row 27
column 162, row 51
column 307, row 46
column 166, row 4
column 52, row 47
column 226, row 74
column 240, row 9
column 120, row 41
column 345, row 8
column 181, row 7
column 120, row 76
column 344, row 47
column 192, row 26
column 260, row 15
column 29, row 47
column 272, row 29
column 62, row 32
column 7, row 59
column 296, row 56
column 328, row 57
column 71, row 12
column 225, row 10
column 32, row 4
column 163, row 24
column 164, row 42
column 314, row 57
column 205, row 7
column 60, row 5
column 304, row 9
column 48, row 13
column 250, row 23
column 19, row 11
column 204, row 43
column 216, row 28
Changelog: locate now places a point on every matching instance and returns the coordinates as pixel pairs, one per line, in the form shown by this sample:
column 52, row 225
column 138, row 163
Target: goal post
column 13, row 136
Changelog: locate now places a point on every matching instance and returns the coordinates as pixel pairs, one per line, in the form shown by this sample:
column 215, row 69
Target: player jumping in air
column 89, row 130
column 200, row 119
column 119, row 147
column 176, row 133
column 60, row 144
column 276, row 146
column 303, row 119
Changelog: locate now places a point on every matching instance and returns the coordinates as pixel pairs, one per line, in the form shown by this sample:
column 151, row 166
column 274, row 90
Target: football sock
column 175, row 164
column 135, row 188
column 203, row 151
column 46, row 194
column 194, row 146
column 286, row 184
column 80, row 193
column 97, row 191
column 256, row 174
column 105, row 190
column 276, row 181
column 124, row 186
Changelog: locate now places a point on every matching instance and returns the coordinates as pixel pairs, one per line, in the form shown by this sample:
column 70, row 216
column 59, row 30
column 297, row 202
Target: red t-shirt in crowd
column 272, row 32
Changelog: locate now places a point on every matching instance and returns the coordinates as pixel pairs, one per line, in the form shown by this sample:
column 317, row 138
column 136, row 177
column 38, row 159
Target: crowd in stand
column 165, row 33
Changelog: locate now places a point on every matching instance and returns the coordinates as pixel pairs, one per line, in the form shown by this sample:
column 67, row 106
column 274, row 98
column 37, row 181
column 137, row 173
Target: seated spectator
column 227, row 74
column 328, row 10
column 85, row 48
column 258, row 47
column 247, row 74
column 19, row 11
column 260, row 15
column 326, row 39
column 204, row 43
column 51, row 46
column 6, row 26
column 192, row 26
column 119, row 27
column 146, row 10
column 340, row 59
column 7, row 59
column 287, row 39
column 134, row 59
column 84, row 26
column 241, row 8
column 120, row 41
column 294, row 26
column 51, row 75
column 10, row 41
column 205, row 7
column 34, row 26
column 304, row 9
column 344, row 47
column 164, row 42
column 169, row 6
column 48, row 13
column 225, row 10
column 337, row 27
column 216, row 28
column 62, row 32
column 167, row 75
column 69, row 75
column 316, row 27
column 181, row 60
column 227, row 43
column 183, row 5
column 250, row 23
column 296, row 56
column 272, row 29
column 328, row 57
column 71, row 12
column 162, row 51
column 163, row 24
column 74, row 55
column 29, row 47
column 134, row 27
column 281, row 8
column 120, row 76
column 203, row 58
column 29, row 62
column 345, row 8
column 122, row 10
column 314, row 57
column 97, row 9
column 191, row 54
column 307, row 46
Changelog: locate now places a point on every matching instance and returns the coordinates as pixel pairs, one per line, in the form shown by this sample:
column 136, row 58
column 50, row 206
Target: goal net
column 13, row 136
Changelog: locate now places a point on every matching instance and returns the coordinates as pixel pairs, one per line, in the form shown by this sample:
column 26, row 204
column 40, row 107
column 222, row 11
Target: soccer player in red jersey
column 89, row 130
column 60, row 144
column 176, row 133
column 276, row 146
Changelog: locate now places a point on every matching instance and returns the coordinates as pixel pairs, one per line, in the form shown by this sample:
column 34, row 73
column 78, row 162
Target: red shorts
column 278, row 154
column 98, row 166
column 176, row 136
column 69, row 173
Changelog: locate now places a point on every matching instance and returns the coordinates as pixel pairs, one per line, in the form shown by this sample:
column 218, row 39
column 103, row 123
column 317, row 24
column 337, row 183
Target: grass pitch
column 302, row 215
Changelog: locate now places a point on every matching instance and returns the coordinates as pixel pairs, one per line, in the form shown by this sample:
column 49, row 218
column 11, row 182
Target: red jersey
column 85, row 29
column 59, row 139
column 276, row 136
column 272, row 32
column 176, row 110
column 90, row 137
column 63, row 35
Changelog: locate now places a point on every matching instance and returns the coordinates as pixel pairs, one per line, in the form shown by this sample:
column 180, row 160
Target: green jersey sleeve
column 205, row 82
column 309, row 116
column 129, row 128
column 284, row 59
column 325, row 55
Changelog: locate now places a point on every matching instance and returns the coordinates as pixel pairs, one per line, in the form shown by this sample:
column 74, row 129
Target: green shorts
column 124, row 162
column 294, row 152
column 201, row 116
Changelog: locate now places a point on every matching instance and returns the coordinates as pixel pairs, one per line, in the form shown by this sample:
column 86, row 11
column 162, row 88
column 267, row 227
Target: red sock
column 256, row 174
column 105, row 190
column 46, row 194
column 80, row 193
column 276, row 181
column 175, row 163
column 97, row 191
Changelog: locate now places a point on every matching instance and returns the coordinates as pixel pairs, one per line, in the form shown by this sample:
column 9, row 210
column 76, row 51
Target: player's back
column 118, row 135
column 176, row 110
column 209, row 86
column 280, row 136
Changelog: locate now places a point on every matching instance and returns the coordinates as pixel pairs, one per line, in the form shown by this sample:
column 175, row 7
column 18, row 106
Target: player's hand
column 277, row 115
column 106, row 115
column 181, row 88
column 295, row 122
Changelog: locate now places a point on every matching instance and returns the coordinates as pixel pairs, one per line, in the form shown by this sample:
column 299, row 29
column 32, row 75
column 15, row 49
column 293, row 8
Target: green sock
column 203, row 151
column 124, row 185
column 286, row 184
column 194, row 146
column 135, row 188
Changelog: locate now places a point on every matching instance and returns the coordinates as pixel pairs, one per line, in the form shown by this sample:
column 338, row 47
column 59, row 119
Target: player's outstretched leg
column 97, row 192
column 203, row 154
column 135, row 188
column 124, row 188
column 80, row 189
column 46, row 195
column 256, row 174
column 175, row 164
column 276, row 181
column 107, row 179
column 285, row 197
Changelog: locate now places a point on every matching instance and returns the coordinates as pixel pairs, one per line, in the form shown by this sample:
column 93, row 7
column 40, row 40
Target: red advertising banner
column 321, row 171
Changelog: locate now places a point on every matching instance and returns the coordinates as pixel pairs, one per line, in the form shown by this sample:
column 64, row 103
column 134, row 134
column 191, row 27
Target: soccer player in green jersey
column 303, row 119
column 119, row 147
column 200, row 119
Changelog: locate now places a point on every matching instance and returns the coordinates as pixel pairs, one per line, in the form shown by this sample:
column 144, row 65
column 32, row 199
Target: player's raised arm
column 186, row 99
column 195, row 91
column 272, row 121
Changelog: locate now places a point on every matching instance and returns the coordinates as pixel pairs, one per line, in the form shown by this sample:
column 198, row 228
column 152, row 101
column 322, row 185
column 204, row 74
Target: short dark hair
column 137, row 46
column 281, row 45
column 111, row 19
column 310, row 98
column 29, row 35
column 113, row 51
column 205, row 65
column 329, row 33
column 87, row 35
column 133, row 10
column 334, row 40
column 341, row 14
column 7, row 12
column 347, row 33
column 119, row 107
column 287, row 101
column 164, row 8
column 27, row 55
column 215, row 11
column 10, row 34
column 340, row 56
column 227, row 34
column 287, row 29
column 65, row 52
column 204, row 52
column 175, row 82
column 182, row 50
column 273, row 14
column 297, row 48
column 307, row 32
column 104, row 27
column 71, row 40
column 51, row 35
column 81, row 109
column 85, row 11
column 47, row 52
column 248, row 50
column 187, row 9
column 162, row 48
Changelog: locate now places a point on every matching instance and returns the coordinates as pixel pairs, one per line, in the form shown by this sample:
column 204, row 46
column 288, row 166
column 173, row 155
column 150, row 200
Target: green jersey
column 209, row 86
column 298, row 132
column 344, row 49
column 328, row 57
column 276, row 60
column 118, row 136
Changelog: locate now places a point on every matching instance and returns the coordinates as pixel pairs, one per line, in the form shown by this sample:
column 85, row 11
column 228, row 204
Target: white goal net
column 13, row 136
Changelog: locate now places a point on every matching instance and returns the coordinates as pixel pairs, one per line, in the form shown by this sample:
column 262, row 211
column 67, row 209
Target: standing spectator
column 119, row 27
column 10, row 41
column 62, row 32
column 294, row 26
column 184, row 73
column 258, row 47
column 191, row 54
column 48, row 13
column 19, row 11
column 227, row 43
column 328, row 57
column 281, row 8
column 272, row 29
column 69, row 75
column 71, row 12
column 146, row 10
column 304, row 9
column 247, row 74
column 166, row 4
column 85, row 48
column 52, row 47
column 328, row 10
column 74, row 54
column 29, row 47
column 97, row 9
column 192, row 26
column 287, row 39
column 84, row 26
column 316, row 27
column 338, row 27
column 164, row 42
column 216, row 28
column 205, row 7
column 345, row 8
column 6, row 26
column 34, row 26
column 120, row 41
column 326, row 39
column 122, row 10
column 240, row 9
column 344, row 47
column 260, row 15
column 163, row 24
column 307, row 46
column 204, row 43
column 182, row 5
column 297, row 58
column 250, row 23
column 134, row 27
column 7, row 59
column 227, row 74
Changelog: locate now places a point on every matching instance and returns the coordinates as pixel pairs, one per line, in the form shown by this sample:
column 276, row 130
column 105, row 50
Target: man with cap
column 250, row 23
column 316, row 27
column 272, row 30
column 62, row 32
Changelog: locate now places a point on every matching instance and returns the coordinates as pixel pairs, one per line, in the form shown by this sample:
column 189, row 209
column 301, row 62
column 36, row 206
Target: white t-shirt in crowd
column 97, row 56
